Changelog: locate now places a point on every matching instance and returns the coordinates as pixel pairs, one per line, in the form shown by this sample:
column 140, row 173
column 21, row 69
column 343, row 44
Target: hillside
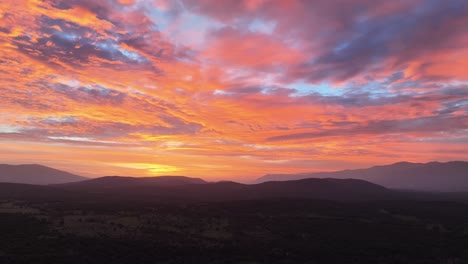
column 196, row 189
column 123, row 182
column 433, row 176
column 35, row 174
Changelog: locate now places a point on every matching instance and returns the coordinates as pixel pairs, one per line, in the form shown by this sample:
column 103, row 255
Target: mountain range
column 433, row 176
column 118, row 182
column 323, row 189
column 36, row 174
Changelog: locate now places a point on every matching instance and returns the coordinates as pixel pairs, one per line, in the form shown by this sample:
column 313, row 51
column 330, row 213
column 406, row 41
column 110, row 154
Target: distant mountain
column 119, row 182
column 182, row 188
column 327, row 189
column 35, row 174
column 434, row 176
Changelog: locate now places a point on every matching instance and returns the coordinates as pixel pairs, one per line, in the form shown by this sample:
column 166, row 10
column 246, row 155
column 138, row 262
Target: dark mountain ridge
column 36, row 174
column 183, row 188
column 313, row 188
column 433, row 176
column 116, row 182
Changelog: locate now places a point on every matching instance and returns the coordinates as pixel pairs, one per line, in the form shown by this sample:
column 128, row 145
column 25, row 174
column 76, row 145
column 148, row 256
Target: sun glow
column 151, row 169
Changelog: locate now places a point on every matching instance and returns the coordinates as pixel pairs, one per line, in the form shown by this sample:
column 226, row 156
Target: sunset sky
column 232, row 89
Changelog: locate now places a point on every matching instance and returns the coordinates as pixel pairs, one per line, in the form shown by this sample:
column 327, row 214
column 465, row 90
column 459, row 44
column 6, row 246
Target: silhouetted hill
column 119, row 182
column 35, row 174
column 127, row 189
column 196, row 189
column 328, row 189
column 322, row 188
column 433, row 176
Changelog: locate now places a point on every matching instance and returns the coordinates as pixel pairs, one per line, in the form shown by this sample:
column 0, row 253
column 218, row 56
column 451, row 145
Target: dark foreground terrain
column 112, row 229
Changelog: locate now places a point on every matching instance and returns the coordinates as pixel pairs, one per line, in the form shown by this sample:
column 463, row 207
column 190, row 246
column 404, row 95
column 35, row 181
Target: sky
column 232, row 89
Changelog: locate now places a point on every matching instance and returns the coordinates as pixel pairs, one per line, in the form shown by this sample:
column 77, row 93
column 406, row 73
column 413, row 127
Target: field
column 261, row 231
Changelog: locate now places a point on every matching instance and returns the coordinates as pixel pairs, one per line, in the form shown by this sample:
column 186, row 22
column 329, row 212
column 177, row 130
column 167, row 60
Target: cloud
column 342, row 39
column 248, row 49
column 66, row 42
column 415, row 125
column 95, row 94
column 239, row 86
